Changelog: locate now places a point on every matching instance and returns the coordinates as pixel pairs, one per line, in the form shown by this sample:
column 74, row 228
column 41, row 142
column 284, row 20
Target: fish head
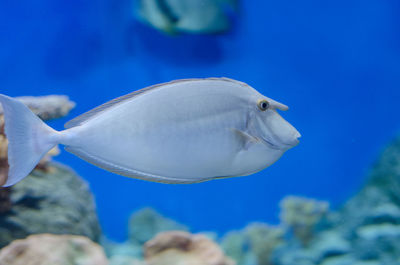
column 271, row 128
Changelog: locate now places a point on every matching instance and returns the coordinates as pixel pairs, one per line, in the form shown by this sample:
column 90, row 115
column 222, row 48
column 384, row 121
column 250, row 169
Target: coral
column 122, row 253
column 47, row 249
column 365, row 231
column 183, row 248
column 124, row 260
column 143, row 225
column 147, row 223
column 264, row 239
column 56, row 201
column 379, row 199
column 325, row 245
column 301, row 216
column 235, row 245
column 371, row 218
column 47, row 107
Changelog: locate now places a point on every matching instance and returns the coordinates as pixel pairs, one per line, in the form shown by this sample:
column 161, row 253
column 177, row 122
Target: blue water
column 335, row 63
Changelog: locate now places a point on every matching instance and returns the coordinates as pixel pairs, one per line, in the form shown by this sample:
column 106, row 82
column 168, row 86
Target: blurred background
column 335, row 63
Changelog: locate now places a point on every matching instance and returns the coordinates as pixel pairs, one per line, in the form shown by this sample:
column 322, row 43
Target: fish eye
column 263, row 105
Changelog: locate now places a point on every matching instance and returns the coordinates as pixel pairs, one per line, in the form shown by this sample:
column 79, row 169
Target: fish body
column 184, row 131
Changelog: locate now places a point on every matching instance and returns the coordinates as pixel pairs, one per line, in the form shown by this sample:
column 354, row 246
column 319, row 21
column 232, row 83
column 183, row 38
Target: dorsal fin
column 112, row 103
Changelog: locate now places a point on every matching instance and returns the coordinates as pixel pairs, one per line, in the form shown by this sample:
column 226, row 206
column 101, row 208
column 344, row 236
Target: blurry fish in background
column 184, row 131
column 186, row 16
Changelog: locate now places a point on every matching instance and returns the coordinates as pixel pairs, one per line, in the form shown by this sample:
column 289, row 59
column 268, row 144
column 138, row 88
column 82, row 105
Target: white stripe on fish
column 184, row 131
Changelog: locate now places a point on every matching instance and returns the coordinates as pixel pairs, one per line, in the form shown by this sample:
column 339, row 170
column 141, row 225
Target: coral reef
column 258, row 243
column 122, row 260
column 47, row 249
column 143, row 226
column 301, row 216
column 183, row 248
column 235, row 245
column 56, row 201
column 147, row 223
column 122, row 253
column 264, row 239
column 366, row 229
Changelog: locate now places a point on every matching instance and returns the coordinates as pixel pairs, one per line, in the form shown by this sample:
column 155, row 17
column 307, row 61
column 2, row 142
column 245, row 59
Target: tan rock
column 49, row 249
column 183, row 248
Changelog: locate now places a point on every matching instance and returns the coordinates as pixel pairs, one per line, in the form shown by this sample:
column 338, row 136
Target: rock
column 147, row 223
column 183, row 248
column 47, row 249
column 56, row 201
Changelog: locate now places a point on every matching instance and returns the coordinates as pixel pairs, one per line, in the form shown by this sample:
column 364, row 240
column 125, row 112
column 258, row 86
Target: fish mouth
column 279, row 145
column 270, row 143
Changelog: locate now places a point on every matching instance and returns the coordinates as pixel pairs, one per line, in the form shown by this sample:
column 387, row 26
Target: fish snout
column 283, row 140
column 286, row 135
column 293, row 139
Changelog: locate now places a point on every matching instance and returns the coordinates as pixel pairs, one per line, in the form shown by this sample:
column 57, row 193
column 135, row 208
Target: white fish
column 184, row 131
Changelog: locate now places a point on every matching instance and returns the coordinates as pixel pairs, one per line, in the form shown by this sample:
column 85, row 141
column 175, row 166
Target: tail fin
column 29, row 139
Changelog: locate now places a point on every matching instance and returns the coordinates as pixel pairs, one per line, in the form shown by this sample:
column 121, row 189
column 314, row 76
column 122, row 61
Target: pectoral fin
column 246, row 139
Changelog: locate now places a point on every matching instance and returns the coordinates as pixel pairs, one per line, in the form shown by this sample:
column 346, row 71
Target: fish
column 180, row 132
column 194, row 16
